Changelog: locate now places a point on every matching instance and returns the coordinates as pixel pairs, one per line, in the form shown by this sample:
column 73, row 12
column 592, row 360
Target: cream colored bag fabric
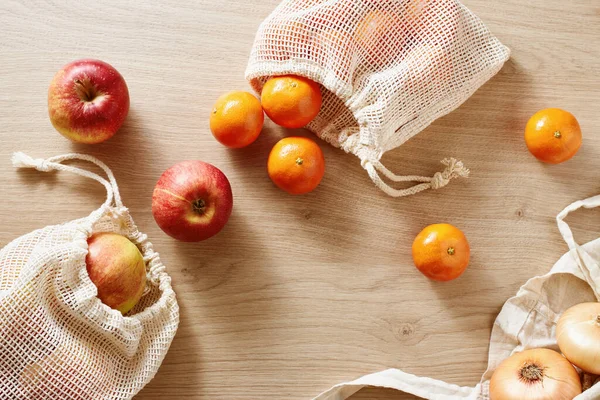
column 526, row 321
column 58, row 340
column 390, row 67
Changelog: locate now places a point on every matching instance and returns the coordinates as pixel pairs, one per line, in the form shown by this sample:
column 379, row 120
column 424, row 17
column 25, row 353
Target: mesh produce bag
column 526, row 321
column 389, row 69
column 58, row 340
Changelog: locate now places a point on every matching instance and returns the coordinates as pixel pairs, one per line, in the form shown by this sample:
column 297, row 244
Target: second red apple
column 192, row 201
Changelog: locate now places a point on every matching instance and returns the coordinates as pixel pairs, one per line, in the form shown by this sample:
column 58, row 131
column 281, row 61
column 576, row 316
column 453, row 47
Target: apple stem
column 199, row 206
column 85, row 91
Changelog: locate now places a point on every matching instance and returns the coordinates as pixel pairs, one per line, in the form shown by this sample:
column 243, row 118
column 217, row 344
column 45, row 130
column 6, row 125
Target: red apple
column 192, row 201
column 116, row 266
column 88, row 101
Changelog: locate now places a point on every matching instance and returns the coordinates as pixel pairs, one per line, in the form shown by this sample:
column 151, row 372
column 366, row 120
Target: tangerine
column 441, row 252
column 379, row 35
column 430, row 22
column 553, row 135
column 236, row 119
column 296, row 165
column 291, row 101
column 334, row 50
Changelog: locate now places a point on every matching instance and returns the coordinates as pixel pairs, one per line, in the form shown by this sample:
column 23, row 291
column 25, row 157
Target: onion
column 537, row 374
column 578, row 335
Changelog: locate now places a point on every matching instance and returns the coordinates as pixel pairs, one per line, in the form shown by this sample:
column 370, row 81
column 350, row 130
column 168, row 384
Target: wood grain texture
column 300, row 293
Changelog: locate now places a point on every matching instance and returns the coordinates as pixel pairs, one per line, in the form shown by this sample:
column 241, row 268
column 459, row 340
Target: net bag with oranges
column 59, row 341
column 389, row 69
column 556, row 312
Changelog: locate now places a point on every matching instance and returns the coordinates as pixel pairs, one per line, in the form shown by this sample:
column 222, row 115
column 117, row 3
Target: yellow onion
column 578, row 335
column 537, row 374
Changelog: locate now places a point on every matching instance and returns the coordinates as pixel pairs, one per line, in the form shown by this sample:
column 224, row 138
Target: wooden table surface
column 300, row 293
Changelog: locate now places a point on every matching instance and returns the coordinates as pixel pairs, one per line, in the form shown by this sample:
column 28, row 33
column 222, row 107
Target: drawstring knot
column 42, row 165
column 22, row 160
column 454, row 169
column 438, row 181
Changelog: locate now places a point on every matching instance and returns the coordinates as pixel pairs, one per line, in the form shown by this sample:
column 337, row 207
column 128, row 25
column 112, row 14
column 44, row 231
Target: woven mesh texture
column 388, row 67
column 58, row 341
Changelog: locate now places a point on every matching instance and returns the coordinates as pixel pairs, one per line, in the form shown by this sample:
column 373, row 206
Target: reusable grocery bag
column 58, row 340
column 389, row 69
column 526, row 321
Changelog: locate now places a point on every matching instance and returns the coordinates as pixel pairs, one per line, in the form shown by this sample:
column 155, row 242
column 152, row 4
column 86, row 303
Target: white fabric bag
column 58, row 340
column 526, row 321
column 389, row 67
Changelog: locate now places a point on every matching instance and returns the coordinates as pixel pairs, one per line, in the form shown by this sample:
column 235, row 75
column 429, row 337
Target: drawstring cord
column 369, row 157
column 454, row 169
column 22, row 160
column 156, row 271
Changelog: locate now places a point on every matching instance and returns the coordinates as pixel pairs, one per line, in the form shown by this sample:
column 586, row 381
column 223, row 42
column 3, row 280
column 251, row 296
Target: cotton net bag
column 58, row 340
column 526, row 321
column 388, row 68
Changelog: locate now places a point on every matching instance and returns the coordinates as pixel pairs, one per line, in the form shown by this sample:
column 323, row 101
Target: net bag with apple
column 59, row 340
column 551, row 314
column 388, row 69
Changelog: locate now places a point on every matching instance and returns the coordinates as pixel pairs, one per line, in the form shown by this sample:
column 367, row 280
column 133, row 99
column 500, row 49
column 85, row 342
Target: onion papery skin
column 556, row 378
column 578, row 336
